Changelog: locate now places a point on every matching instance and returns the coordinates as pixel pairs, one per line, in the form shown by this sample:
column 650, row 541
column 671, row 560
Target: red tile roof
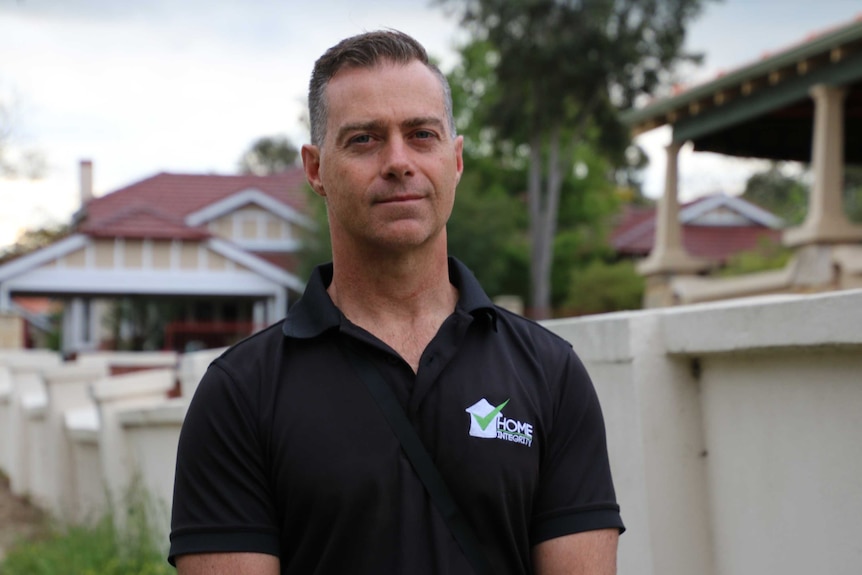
column 634, row 235
column 141, row 209
column 139, row 221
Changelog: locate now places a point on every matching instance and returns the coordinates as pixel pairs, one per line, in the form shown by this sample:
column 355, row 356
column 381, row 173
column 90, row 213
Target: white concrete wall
column 734, row 432
column 152, row 434
column 89, row 499
column 68, row 389
column 114, row 396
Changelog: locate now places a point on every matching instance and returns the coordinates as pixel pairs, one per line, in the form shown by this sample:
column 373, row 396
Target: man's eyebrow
column 357, row 127
column 423, row 121
column 374, row 126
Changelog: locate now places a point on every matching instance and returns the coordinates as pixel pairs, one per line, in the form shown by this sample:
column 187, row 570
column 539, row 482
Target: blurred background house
column 800, row 104
column 174, row 261
column 714, row 227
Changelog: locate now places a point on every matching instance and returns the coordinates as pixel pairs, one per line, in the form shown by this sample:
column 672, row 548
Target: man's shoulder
column 264, row 344
column 530, row 330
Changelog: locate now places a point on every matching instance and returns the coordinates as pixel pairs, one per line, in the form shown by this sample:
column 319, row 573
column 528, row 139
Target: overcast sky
column 156, row 85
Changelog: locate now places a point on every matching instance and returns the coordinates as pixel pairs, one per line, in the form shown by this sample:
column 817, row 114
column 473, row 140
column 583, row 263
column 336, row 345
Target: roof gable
column 42, row 256
column 244, row 198
column 699, row 210
column 180, row 195
column 713, row 226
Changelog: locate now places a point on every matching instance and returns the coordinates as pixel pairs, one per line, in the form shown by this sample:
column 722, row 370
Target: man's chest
column 331, row 444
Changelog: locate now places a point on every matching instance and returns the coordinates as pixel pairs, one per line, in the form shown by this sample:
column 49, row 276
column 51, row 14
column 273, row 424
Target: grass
column 105, row 547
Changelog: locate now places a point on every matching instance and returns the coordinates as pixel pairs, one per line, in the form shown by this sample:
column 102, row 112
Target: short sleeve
column 576, row 491
column 222, row 497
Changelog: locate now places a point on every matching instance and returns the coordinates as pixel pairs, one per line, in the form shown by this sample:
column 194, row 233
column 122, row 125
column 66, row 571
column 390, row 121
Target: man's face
column 388, row 166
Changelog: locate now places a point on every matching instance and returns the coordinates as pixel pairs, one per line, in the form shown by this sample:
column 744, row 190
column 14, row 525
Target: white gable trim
column 240, row 199
column 140, row 282
column 42, row 256
column 27, row 273
column 746, row 209
column 256, row 264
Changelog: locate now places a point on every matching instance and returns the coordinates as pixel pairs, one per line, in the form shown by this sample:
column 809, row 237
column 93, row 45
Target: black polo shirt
column 285, row 452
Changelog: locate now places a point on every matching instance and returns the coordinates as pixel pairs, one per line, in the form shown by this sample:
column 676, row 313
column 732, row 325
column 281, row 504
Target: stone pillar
column 73, row 318
column 668, row 256
column 258, row 314
column 825, row 222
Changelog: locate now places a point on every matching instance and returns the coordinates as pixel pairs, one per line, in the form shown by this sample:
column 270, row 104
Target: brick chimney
column 86, row 182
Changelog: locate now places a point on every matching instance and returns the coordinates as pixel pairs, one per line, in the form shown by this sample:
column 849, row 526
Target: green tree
column 786, row 195
column 853, row 193
column 32, row 240
column 269, row 155
column 486, row 228
column 560, row 71
column 601, row 287
column 783, row 195
column 15, row 160
column 316, row 245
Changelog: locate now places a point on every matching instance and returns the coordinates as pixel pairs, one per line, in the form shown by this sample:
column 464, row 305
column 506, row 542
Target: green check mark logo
column 485, row 420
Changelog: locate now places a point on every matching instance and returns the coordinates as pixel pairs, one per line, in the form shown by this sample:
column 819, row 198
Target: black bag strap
column 420, row 459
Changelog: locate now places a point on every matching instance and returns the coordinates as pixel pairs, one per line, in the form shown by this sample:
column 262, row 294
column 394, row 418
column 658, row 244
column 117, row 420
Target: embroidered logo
column 487, row 421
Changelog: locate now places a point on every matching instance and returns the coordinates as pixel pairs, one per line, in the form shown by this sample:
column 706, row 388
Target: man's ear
column 311, row 165
column 459, row 162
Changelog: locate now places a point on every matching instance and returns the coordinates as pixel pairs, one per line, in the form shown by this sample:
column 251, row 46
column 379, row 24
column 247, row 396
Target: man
column 287, row 465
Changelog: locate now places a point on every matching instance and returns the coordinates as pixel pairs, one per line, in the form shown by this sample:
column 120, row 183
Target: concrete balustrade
column 22, row 402
column 68, row 389
column 87, row 486
column 733, row 430
column 151, row 435
column 192, row 367
column 113, row 396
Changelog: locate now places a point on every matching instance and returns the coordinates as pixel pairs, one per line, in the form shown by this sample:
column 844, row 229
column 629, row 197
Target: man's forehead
column 352, row 71
column 413, row 84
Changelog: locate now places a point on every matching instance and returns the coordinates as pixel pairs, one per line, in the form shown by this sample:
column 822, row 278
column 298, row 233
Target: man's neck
column 402, row 298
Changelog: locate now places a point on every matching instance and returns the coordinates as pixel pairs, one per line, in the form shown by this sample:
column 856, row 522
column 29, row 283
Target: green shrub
column 767, row 255
column 603, row 287
column 101, row 548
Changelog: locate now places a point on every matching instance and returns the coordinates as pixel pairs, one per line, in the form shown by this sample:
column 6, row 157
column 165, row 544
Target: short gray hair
column 367, row 51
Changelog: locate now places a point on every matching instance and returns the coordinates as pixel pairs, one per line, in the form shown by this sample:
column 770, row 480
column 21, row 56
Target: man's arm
column 586, row 553
column 227, row 564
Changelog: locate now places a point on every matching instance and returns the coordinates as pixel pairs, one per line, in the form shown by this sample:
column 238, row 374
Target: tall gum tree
column 562, row 69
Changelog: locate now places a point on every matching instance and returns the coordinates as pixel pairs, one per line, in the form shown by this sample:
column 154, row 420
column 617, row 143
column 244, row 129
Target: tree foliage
column 489, row 226
column 785, row 194
column 601, row 287
column 780, row 193
column 559, row 70
column 15, row 160
column 32, row 240
column 269, row 155
column 486, row 230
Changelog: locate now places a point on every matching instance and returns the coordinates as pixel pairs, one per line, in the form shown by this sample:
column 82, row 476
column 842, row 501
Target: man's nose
column 396, row 160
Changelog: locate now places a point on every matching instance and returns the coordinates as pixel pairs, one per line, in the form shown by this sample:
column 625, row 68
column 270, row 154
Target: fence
column 734, row 431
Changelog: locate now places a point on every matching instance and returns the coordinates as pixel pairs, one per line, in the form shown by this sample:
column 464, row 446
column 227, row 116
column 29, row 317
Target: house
column 802, row 103
column 714, row 228
column 174, row 261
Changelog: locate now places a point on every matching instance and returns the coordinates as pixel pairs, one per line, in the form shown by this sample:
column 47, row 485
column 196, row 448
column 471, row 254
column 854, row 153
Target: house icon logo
column 484, row 418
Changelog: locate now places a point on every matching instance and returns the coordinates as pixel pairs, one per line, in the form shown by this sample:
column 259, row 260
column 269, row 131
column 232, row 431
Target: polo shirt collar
column 314, row 313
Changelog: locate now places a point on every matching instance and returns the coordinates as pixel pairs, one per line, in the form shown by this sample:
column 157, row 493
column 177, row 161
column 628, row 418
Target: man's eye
column 423, row 134
column 361, row 139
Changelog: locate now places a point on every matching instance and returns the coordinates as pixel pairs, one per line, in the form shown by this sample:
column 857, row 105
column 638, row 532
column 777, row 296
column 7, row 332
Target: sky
column 186, row 87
